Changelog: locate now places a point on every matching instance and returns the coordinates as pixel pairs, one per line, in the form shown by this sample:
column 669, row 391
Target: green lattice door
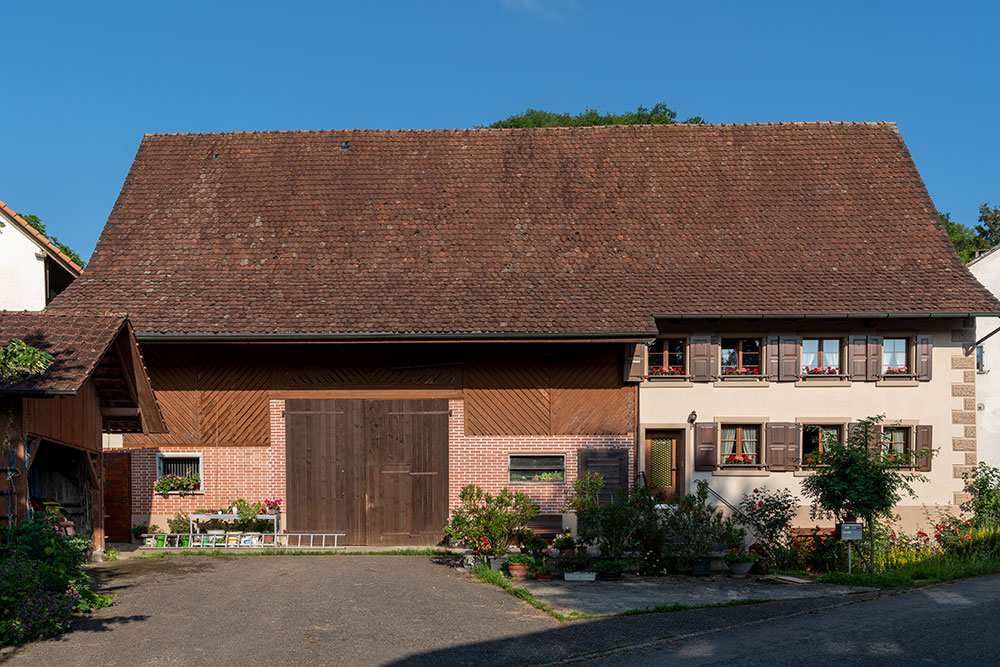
column 662, row 456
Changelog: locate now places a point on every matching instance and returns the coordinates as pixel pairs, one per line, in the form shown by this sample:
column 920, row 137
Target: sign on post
column 850, row 532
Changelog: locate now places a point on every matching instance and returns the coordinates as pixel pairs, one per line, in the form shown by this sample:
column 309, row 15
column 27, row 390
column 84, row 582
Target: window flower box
column 662, row 371
column 732, row 371
column 739, row 460
column 822, row 370
column 896, row 370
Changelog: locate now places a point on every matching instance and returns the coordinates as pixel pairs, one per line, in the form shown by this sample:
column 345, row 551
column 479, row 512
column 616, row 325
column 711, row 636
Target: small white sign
column 850, row 531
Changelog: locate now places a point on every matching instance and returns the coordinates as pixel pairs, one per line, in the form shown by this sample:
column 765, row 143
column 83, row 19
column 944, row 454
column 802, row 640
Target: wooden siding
column 553, row 390
column 71, row 420
column 216, row 394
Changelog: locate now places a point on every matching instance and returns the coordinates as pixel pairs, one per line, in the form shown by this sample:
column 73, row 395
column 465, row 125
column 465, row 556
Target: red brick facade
column 255, row 473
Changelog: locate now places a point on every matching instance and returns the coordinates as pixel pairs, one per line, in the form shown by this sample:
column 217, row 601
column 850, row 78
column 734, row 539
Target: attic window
column 346, row 146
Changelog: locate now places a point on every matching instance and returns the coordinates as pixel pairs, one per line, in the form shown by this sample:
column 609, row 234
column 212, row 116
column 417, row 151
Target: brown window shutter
column 788, row 369
column 874, row 357
column 924, row 443
column 925, row 344
column 773, row 358
column 635, row 361
column 702, row 368
column 706, row 438
column 782, row 446
column 857, row 358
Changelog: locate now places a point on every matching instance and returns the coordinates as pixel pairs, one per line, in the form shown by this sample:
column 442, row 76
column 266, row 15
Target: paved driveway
column 338, row 610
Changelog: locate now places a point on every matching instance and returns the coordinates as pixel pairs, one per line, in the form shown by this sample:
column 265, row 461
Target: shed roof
column 558, row 231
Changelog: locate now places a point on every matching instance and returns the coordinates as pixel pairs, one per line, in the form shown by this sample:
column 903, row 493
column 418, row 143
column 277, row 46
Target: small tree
column 489, row 524
column 861, row 477
column 984, row 487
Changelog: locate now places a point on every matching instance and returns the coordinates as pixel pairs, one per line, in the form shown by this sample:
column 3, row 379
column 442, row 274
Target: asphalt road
column 951, row 624
column 377, row 610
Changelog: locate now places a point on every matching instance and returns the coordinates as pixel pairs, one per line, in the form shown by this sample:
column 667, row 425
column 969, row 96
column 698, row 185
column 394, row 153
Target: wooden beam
column 120, row 412
column 33, row 445
column 127, row 367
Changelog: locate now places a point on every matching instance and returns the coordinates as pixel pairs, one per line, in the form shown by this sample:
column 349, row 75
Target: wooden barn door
column 374, row 469
column 118, row 496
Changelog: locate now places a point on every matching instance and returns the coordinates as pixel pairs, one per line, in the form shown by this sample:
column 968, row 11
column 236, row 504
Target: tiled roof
column 77, row 343
column 51, row 248
column 565, row 231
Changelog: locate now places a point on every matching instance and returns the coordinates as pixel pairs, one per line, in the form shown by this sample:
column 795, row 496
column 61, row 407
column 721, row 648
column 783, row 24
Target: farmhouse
column 33, row 270
column 362, row 322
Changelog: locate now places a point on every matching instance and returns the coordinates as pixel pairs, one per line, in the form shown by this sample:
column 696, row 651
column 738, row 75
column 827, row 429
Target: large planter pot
column 543, row 576
column 518, row 572
column 701, row 566
column 739, row 570
column 579, row 576
column 609, row 576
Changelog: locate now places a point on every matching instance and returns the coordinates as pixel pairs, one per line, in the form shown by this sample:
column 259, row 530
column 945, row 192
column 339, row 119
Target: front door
column 662, row 454
column 118, row 496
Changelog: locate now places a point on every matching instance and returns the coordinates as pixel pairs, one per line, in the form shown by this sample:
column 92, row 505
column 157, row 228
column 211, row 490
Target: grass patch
column 677, row 606
column 296, row 552
column 933, row 570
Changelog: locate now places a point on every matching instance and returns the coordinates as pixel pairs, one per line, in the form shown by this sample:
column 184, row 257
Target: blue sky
column 84, row 81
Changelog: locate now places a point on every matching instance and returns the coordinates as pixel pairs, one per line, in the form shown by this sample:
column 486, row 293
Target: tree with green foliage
column 39, row 226
column 988, row 229
column 862, row 477
column 964, row 238
column 18, row 360
column 660, row 114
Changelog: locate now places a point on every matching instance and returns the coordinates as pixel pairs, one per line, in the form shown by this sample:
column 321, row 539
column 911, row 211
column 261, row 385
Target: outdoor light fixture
column 692, row 418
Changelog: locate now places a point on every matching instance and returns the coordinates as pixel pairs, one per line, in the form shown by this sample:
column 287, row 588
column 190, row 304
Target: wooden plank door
column 662, row 453
column 611, row 464
column 324, row 460
column 407, row 471
column 118, row 496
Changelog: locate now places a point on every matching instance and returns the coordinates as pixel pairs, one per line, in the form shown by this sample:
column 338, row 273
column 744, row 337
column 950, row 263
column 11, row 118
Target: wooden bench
column 547, row 526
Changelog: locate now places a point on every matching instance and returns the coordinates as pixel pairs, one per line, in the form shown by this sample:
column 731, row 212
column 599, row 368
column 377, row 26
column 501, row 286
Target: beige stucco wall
column 944, row 402
column 987, row 270
column 22, row 271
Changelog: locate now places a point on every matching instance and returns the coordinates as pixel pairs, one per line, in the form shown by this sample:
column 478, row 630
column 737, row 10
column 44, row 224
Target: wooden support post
column 12, row 439
column 97, row 494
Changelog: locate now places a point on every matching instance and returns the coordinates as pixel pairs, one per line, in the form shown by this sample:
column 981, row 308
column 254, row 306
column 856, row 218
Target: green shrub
column 618, row 566
column 697, row 528
column 140, row 529
column 521, row 559
column 768, row 515
column 984, row 486
column 181, row 523
column 489, row 524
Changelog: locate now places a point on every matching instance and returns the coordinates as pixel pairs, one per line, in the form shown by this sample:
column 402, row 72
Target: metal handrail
column 726, row 503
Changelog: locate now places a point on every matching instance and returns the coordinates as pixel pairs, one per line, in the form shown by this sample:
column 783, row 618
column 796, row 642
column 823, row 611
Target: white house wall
column 22, row 271
column 987, row 270
column 941, row 402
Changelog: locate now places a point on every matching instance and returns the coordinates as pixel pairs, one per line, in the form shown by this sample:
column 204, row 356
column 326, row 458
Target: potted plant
column 574, row 567
column 610, row 570
column 160, row 539
column 519, row 566
column 565, row 544
column 544, row 570
column 740, row 562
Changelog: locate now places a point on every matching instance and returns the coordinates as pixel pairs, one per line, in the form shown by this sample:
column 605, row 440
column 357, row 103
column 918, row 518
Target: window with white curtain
column 894, row 355
column 740, row 444
column 821, row 356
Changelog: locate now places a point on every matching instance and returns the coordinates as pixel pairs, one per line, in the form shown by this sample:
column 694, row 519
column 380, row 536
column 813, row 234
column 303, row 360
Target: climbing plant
column 19, row 359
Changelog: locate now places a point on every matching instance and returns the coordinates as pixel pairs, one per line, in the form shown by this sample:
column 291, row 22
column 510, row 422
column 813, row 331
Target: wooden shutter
column 788, row 365
column 635, row 361
column 923, row 443
column 874, row 357
column 782, row 446
column 773, row 358
column 611, row 464
column 706, row 438
column 922, row 365
column 702, row 367
column 857, row 358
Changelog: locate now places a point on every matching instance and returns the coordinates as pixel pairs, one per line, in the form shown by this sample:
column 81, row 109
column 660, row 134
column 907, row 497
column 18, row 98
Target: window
column 666, row 357
column 895, row 356
column 740, row 356
column 537, row 469
column 980, row 368
column 815, row 438
column 821, row 356
column 180, row 466
column 740, row 444
column 896, row 439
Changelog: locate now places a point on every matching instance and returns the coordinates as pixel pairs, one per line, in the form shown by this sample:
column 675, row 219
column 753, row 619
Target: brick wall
column 255, row 473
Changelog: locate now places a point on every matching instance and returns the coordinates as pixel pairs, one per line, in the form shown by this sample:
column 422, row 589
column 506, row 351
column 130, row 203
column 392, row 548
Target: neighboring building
column 362, row 322
column 51, row 423
column 32, row 269
column 986, row 268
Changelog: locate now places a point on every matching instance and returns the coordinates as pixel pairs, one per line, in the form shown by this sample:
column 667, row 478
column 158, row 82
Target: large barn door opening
column 374, row 469
column 118, row 496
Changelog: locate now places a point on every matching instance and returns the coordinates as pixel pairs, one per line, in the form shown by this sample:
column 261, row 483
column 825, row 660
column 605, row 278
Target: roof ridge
column 587, row 128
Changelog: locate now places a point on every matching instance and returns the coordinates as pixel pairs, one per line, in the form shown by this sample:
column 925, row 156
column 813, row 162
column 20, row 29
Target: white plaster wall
column 928, row 402
column 22, row 274
column 987, row 271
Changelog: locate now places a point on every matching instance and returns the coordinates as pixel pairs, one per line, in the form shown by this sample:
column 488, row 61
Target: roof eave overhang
column 924, row 315
column 384, row 337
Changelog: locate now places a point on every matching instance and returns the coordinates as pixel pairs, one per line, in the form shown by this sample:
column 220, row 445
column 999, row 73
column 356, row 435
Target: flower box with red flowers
column 896, row 370
column 739, row 460
column 730, row 371
column 823, row 370
column 661, row 371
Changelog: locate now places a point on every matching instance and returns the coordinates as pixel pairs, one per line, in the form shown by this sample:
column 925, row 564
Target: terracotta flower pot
column 518, row 572
column 543, row 576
